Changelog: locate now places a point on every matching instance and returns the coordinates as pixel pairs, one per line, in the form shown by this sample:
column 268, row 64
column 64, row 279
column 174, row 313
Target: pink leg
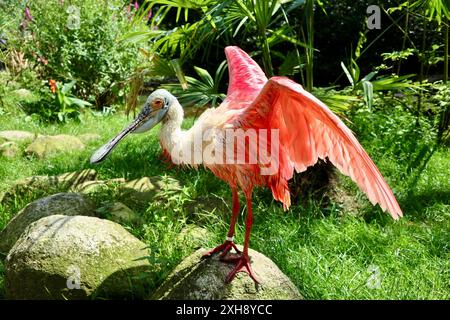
column 243, row 262
column 165, row 157
column 229, row 243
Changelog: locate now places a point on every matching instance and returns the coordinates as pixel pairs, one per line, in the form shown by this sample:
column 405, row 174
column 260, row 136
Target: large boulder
column 16, row 135
column 69, row 204
column 77, row 257
column 203, row 279
column 44, row 146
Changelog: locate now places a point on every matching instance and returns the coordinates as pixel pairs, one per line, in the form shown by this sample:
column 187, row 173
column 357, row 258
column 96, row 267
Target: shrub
column 77, row 40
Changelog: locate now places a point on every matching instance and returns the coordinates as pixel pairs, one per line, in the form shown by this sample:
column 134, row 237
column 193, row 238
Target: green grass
column 327, row 253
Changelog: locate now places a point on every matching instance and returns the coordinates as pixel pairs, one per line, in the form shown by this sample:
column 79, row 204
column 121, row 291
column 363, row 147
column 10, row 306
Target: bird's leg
column 166, row 158
column 243, row 262
column 225, row 247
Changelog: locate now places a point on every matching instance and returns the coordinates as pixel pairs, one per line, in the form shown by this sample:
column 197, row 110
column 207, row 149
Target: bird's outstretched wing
column 246, row 79
column 309, row 130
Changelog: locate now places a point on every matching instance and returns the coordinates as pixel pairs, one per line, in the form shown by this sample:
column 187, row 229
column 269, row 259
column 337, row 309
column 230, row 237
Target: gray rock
column 197, row 279
column 45, row 146
column 69, row 204
column 9, row 149
column 45, row 184
column 62, row 257
column 17, row 135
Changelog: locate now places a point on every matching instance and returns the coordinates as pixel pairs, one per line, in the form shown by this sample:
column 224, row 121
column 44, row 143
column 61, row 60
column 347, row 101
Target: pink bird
column 277, row 114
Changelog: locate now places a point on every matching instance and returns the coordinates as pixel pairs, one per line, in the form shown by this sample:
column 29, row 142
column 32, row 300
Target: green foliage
column 369, row 83
column 427, row 12
column 263, row 23
column 200, row 92
column 265, row 19
column 437, row 10
column 398, row 55
column 182, row 40
column 440, row 104
column 77, row 40
column 67, row 103
column 339, row 102
column 292, row 63
column 58, row 106
column 394, row 133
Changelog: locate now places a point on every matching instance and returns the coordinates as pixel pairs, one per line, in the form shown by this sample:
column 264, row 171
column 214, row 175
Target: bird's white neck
column 171, row 135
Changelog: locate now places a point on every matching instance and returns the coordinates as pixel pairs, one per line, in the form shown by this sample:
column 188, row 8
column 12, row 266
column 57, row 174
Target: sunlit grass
column 327, row 253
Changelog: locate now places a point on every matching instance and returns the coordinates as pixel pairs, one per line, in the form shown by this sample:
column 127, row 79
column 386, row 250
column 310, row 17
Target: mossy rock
column 203, row 279
column 76, row 257
column 69, row 204
column 89, row 137
column 140, row 192
column 46, row 184
column 97, row 186
column 17, row 135
column 9, row 149
column 45, row 146
column 194, row 235
column 120, row 213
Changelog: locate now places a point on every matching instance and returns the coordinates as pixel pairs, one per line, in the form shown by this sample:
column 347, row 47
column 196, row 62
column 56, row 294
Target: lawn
column 329, row 249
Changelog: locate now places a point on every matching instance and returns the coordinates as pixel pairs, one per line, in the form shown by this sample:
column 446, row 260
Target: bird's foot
column 242, row 265
column 224, row 248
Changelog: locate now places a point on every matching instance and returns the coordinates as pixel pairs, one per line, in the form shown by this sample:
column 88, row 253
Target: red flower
column 52, row 84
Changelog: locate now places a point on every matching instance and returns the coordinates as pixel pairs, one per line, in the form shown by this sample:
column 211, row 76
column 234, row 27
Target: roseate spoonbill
column 306, row 131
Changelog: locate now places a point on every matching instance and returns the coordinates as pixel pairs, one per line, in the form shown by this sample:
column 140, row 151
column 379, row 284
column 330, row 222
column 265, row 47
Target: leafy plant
column 339, row 102
column 200, row 92
column 68, row 105
column 267, row 19
column 368, row 84
column 57, row 104
column 155, row 67
column 182, row 40
column 263, row 23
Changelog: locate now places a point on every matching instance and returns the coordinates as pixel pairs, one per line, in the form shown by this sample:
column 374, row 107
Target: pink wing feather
column 309, row 130
column 246, row 78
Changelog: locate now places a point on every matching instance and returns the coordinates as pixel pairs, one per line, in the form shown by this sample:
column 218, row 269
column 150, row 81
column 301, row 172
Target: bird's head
column 154, row 110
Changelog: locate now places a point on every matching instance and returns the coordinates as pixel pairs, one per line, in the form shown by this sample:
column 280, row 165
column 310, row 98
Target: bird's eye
column 157, row 103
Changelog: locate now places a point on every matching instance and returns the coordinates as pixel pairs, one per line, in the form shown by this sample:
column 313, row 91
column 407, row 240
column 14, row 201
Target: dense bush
column 75, row 40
